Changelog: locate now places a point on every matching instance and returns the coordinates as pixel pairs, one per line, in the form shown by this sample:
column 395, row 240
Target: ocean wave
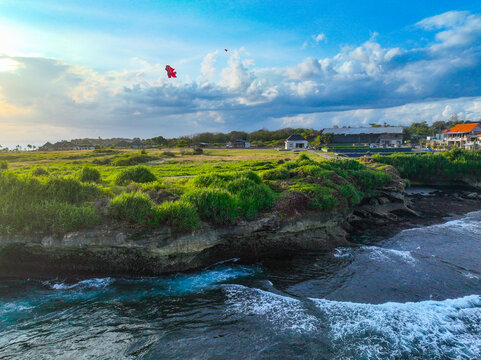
column 426, row 329
column 342, row 252
column 14, row 307
column 386, row 254
column 283, row 312
column 84, row 284
column 191, row 283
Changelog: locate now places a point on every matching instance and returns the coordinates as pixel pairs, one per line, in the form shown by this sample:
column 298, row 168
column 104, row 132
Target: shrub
column 40, row 171
column 88, row 174
column 198, row 151
column 275, row 174
column 72, row 190
column 28, row 205
column 350, row 193
column 133, row 160
column 167, row 154
column 139, row 174
column 368, row 179
column 320, row 197
column 134, row 208
column 180, row 215
column 106, row 161
column 251, row 197
column 215, row 205
column 3, row 165
column 46, row 216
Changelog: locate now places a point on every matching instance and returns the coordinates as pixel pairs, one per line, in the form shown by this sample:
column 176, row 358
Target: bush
column 3, row 165
column 134, row 208
column 133, row 160
column 106, row 161
column 275, row 174
column 47, row 216
column 40, row 171
column 168, row 154
column 320, row 197
column 251, row 197
column 179, row 215
column 72, row 190
column 198, row 151
column 215, row 205
column 451, row 166
column 28, row 205
column 368, row 179
column 88, row 174
column 139, row 174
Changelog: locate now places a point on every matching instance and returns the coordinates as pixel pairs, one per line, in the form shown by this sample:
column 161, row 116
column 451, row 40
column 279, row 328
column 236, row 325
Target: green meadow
column 58, row 192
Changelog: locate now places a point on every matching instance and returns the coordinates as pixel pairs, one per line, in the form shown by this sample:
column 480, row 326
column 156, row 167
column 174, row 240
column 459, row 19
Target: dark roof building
column 296, row 137
column 384, row 135
column 296, row 141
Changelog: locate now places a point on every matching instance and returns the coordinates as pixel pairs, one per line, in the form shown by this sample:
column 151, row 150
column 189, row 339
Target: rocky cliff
column 108, row 251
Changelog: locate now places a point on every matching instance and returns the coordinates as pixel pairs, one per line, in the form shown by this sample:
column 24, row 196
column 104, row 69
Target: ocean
column 416, row 295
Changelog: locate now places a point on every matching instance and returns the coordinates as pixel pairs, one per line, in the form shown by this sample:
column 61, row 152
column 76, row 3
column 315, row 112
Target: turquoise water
column 416, row 295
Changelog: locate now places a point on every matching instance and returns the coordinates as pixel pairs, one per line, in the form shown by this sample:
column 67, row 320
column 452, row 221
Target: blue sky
column 95, row 68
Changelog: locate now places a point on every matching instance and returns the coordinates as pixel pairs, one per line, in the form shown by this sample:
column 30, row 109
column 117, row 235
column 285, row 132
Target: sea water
column 416, row 295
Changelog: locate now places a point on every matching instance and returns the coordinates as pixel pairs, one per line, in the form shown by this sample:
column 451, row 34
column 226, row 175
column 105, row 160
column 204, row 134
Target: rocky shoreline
column 111, row 251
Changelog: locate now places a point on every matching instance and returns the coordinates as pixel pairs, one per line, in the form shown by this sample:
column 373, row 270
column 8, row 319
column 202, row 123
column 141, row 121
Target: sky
column 71, row 69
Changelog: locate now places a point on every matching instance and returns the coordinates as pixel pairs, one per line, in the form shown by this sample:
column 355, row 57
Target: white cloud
column 447, row 19
column 319, row 37
column 360, row 84
column 207, row 66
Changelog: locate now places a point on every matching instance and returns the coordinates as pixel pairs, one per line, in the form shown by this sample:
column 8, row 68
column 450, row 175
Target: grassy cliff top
column 57, row 192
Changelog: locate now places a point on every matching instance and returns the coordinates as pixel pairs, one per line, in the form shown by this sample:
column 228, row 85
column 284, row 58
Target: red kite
column 170, row 71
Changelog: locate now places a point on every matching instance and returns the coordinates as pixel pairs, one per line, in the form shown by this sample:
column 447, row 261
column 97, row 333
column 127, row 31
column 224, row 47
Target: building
column 465, row 136
column 239, row 144
column 84, row 147
column 384, row 135
column 137, row 144
column 296, row 142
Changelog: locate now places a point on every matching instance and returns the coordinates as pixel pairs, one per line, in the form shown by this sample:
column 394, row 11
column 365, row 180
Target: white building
column 296, row 142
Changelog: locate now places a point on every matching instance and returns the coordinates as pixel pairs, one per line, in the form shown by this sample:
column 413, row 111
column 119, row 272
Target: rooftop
column 365, row 130
column 463, row 128
column 296, row 137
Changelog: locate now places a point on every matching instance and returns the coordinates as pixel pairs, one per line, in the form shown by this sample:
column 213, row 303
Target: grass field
column 56, row 192
column 182, row 163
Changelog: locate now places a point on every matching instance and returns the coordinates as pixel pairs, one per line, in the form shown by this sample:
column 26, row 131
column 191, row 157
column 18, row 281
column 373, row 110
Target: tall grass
column 451, row 166
column 139, row 174
column 28, row 205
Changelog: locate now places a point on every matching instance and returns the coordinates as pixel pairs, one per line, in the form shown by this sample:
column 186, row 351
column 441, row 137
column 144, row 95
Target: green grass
column 451, row 166
column 43, row 192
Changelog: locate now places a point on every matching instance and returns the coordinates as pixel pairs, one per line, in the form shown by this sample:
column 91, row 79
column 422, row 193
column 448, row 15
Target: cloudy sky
column 94, row 68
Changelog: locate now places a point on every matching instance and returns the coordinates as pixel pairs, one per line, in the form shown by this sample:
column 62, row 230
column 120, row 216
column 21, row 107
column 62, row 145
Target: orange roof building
column 463, row 128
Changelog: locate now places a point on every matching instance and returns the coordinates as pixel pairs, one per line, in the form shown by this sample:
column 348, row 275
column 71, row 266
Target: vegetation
column 87, row 174
column 57, row 192
column 3, row 165
column 449, row 166
column 139, row 174
column 417, row 132
column 28, row 205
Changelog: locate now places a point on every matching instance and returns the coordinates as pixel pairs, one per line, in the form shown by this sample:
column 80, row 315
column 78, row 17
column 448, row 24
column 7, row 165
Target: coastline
column 107, row 251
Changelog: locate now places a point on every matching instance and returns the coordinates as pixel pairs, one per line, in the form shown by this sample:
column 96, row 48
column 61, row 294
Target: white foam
column 14, row 308
column 385, row 254
column 284, row 313
column 436, row 329
column 469, row 223
column 342, row 252
column 90, row 283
